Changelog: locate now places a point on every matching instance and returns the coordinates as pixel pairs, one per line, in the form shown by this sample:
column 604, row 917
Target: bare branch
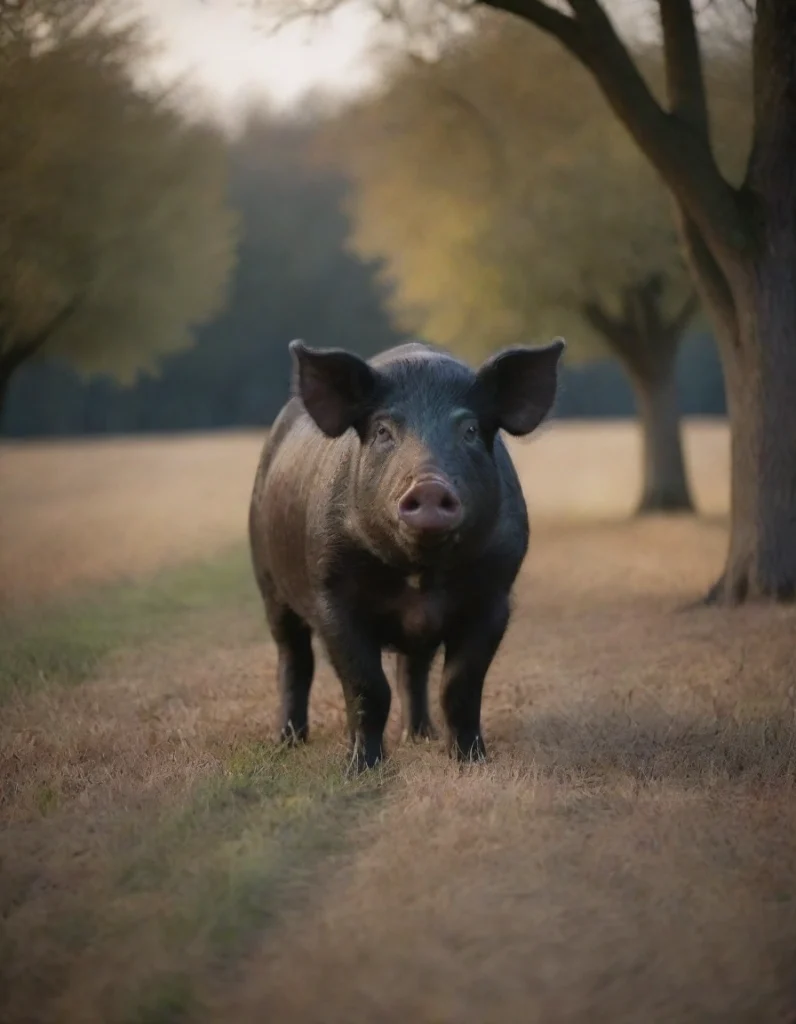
column 471, row 110
column 601, row 320
column 681, row 156
column 640, row 337
column 547, row 18
column 684, row 77
column 683, row 317
column 617, row 331
column 709, row 275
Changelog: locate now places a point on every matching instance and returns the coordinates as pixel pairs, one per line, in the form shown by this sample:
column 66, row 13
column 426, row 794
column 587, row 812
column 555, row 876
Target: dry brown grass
column 627, row 856
column 84, row 512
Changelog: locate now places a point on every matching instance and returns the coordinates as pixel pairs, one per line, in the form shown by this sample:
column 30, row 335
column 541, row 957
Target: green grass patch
column 222, row 859
column 170, row 1000
column 47, row 799
column 62, row 644
column 185, row 892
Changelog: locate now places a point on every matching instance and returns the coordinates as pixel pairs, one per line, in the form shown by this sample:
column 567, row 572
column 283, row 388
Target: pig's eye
column 471, row 432
column 383, row 434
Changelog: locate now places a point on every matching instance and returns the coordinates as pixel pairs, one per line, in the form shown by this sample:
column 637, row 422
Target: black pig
column 386, row 513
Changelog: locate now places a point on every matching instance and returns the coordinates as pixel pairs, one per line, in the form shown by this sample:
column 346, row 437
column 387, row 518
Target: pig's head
column 426, row 480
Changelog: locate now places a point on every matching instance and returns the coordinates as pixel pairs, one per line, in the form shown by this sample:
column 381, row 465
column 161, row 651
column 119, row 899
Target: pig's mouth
column 428, row 546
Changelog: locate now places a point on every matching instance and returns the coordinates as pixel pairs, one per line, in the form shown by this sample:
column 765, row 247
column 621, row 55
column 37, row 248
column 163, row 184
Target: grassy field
column 627, row 855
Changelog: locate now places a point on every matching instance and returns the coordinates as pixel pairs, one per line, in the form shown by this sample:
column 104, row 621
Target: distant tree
column 509, row 208
column 115, row 232
column 294, row 276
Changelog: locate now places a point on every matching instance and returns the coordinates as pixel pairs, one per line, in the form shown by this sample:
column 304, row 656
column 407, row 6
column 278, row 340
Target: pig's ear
column 336, row 387
column 518, row 385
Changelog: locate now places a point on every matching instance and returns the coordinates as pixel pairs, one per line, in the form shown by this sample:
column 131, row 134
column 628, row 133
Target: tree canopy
column 294, row 277
column 115, row 231
column 512, row 205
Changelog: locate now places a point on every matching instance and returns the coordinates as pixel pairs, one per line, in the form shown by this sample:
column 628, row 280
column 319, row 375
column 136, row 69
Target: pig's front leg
column 469, row 650
column 357, row 661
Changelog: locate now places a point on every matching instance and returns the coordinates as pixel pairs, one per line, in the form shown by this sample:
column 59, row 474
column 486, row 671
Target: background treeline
column 153, row 267
column 294, row 276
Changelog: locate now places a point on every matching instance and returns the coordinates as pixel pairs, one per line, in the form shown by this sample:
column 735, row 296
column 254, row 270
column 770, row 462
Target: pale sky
column 227, row 51
column 221, row 46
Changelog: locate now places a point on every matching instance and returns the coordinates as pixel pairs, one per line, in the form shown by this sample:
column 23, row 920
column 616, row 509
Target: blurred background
column 184, row 194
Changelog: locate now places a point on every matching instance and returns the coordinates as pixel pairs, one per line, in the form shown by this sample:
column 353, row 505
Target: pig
column 387, row 514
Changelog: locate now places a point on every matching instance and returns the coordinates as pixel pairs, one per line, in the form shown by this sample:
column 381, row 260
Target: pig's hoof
column 364, row 757
column 289, row 736
column 425, row 731
column 469, row 749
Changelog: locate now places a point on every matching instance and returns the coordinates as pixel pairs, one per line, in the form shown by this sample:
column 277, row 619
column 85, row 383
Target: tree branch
column 679, row 154
column 644, row 299
column 685, row 80
column 562, row 26
column 710, row 278
column 639, row 338
column 14, row 356
column 683, row 316
column 601, row 320
column 617, row 331
column 471, row 110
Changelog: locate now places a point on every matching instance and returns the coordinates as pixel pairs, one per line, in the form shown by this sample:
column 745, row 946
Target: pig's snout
column 430, row 506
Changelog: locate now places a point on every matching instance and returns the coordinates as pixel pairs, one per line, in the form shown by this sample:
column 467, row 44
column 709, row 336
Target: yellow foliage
column 110, row 202
column 503, row 194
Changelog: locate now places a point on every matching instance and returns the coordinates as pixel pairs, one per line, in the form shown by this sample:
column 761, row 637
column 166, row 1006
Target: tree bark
column 665, row 485
column 760, row 382
column 758, row 337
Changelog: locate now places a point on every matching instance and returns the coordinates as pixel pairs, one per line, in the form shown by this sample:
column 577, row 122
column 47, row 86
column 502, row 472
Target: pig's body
column 333, row 557
column 306, row 544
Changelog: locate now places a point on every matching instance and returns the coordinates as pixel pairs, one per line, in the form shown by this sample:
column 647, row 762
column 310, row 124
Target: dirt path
column 626, row 856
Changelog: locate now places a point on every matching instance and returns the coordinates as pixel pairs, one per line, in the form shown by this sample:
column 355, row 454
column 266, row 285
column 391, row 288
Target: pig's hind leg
column 412, row 678
column 296, row 667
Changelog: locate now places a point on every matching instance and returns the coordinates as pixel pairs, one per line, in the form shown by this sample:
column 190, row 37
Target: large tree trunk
column 758, row 343
column 665, row 485
column 760, row 379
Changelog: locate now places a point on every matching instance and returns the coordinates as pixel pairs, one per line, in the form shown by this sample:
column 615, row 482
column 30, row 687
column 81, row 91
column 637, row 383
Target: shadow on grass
column 593, row 746
column 61, row 644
